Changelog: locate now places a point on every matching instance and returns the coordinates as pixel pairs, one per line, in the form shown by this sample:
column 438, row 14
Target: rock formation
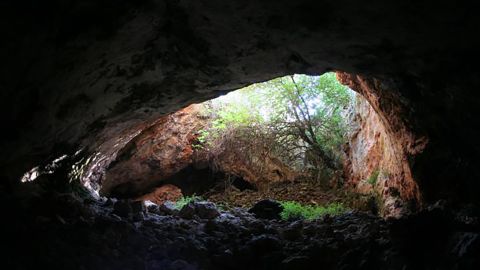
column 168, row 152
column 162, row 194
column 373, row 166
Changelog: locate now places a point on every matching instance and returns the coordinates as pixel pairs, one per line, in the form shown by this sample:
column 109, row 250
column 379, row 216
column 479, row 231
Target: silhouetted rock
column 168, row 208
column 206, row 210
column 122, row 208
column 187, row 211
column 267, row 209
column 233, row 240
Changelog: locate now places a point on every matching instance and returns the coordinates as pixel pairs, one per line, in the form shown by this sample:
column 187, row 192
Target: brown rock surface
column 155, row 154
column 164, row 153
column 382, row 144
column 372, row 166
column 162, row 194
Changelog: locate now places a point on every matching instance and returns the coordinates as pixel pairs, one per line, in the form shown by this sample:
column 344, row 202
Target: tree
column 297, row 118
column 309, row 114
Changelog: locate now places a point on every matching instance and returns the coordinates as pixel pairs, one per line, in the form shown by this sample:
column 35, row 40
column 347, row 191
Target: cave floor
column 304, row 192
column 64, row 231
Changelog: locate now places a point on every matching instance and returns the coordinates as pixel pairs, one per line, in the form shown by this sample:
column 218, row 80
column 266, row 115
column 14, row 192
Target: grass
column 185, row 200
column 294, row 210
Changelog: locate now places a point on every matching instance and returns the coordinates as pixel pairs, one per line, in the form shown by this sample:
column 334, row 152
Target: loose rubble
column 64, row 231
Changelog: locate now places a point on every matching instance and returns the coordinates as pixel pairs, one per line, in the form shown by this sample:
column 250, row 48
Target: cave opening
column 288, row 140
column 282, row 140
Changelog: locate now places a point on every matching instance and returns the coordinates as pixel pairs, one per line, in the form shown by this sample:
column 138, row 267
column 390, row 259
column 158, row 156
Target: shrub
column 294, row 210
column 185, row 200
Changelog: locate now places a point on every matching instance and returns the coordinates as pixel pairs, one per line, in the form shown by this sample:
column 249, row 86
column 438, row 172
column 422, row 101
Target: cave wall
column 157, row 153
column 169, row 152
column 424, row 132
column 374, row 166
column 72, row 71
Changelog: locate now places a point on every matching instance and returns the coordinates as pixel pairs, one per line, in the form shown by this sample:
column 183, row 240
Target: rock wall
column 156, row 154
column 373, row 167
column 383, row 145
column 164, row 153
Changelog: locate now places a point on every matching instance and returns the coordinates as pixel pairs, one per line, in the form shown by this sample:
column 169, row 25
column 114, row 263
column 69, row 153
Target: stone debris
column 200, row 236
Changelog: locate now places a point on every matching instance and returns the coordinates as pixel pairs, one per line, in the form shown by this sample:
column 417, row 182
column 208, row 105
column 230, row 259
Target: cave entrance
column 288, row 139
column 282, row 139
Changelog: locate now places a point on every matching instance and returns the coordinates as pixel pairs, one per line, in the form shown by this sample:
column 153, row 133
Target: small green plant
column 203, row 136
column 185, row 200
column 202, row 139
column 372, row 180
column 294, row 210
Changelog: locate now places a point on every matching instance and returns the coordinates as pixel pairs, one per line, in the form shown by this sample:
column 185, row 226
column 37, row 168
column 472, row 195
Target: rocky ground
column 66, row 231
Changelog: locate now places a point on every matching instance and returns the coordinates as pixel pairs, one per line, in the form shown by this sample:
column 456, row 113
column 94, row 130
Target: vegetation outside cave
column 285, row 136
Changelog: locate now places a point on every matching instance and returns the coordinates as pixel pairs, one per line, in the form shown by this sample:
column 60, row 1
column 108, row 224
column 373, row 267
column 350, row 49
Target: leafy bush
column 185, row 200
column 294, row 210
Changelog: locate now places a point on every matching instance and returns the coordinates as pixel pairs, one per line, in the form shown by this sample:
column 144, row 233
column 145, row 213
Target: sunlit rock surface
column 169, row 152
column 373, row 167
column 162, row 194
column 157, row 153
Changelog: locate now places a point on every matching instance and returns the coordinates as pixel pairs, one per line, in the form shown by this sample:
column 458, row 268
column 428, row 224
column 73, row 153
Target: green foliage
column 294, row 210
column 295, row 115
column 202, row 139
column 372, row 180
column 186, row 200
column 203, row 135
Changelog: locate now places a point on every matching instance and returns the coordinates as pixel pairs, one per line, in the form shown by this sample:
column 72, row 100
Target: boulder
column 138, row 207
column 187, row 211
column 203, row 210
column 151, row 207
column 122, row 208
column 267, row 209
column 168, row 208
column 206, row 210
column 129, row 209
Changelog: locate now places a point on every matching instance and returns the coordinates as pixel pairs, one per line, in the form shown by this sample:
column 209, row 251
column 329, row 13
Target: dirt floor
column 304, row 192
